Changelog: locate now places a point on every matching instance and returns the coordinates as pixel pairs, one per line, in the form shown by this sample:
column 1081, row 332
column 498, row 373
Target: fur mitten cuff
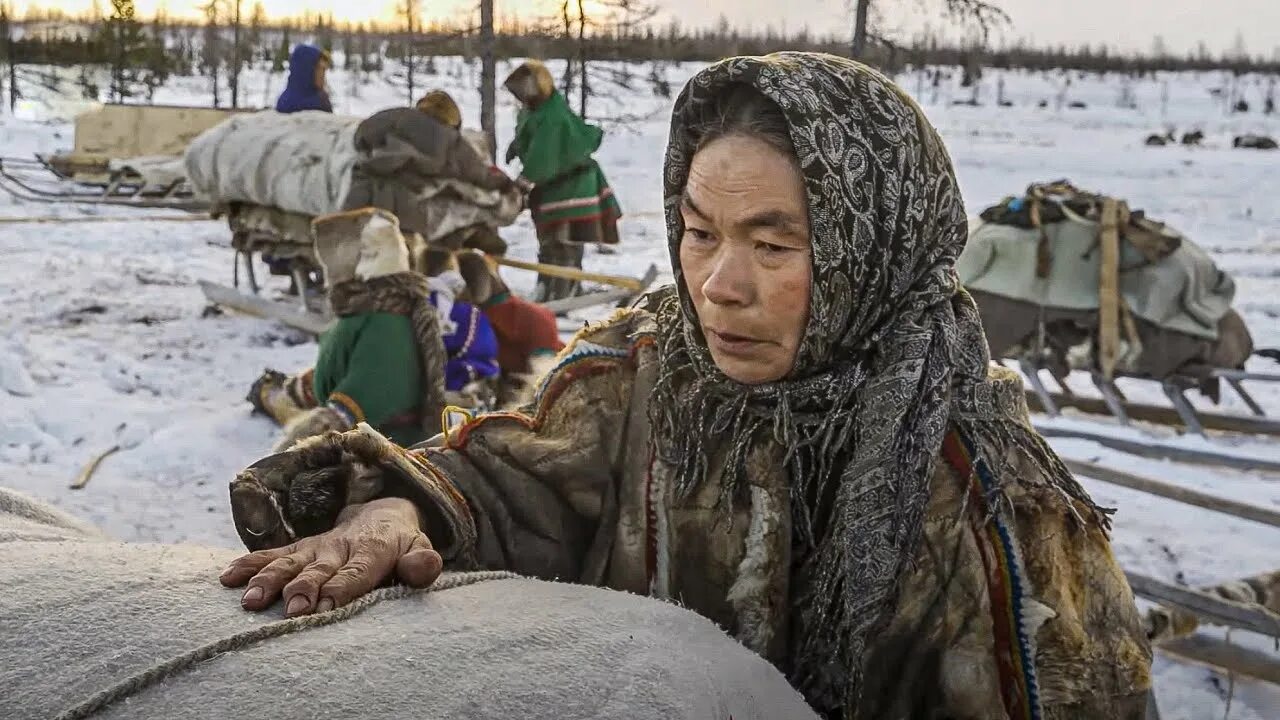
column 300, row 492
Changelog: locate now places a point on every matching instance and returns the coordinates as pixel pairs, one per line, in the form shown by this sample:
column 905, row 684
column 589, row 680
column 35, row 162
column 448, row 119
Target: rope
column 123, row 218
column 145, row 679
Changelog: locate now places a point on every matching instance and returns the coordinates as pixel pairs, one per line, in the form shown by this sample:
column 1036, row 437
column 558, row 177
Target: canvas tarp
column 303, row 163
column 1184, row 292
column 83, row 614
column 299, row 162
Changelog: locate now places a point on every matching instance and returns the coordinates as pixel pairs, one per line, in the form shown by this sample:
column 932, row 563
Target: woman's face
column 746, row 256
column 322, row 67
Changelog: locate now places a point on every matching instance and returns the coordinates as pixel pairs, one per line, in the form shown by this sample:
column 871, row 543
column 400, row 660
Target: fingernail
column 253, row 595
column 325, row 605
column 227, row 570
column 297, row 604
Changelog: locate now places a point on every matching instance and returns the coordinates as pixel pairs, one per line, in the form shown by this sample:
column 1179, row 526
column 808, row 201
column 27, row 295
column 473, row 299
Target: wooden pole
column 1173, row 492
column 1161, row 451
column 1208, row 650
column 1208, row 608
column 572, row 273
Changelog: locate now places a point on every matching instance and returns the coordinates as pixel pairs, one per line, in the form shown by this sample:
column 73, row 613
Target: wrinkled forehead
column 842, row 119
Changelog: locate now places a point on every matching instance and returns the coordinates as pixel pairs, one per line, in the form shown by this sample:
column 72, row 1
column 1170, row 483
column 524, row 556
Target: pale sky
column 1128, row 24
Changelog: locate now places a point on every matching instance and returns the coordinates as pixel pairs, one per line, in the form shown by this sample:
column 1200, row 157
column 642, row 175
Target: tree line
column 228, row 38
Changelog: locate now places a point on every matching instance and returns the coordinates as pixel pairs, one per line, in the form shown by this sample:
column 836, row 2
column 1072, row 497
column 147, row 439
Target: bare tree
column 567, row 81
column 411, row 11
column 982, row 15
column 211, row 59
column 233, row 77
column 584, row 89
column 488, row 78
column 620, row 14
column 10, row 58
column 257, row 22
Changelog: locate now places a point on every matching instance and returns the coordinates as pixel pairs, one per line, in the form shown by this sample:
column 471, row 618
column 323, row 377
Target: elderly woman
column 803, row 439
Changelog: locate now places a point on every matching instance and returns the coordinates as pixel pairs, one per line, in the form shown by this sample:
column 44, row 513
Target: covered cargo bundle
column 313, row 163
column 298, row 163
column 124, row 630
column 1075, row 280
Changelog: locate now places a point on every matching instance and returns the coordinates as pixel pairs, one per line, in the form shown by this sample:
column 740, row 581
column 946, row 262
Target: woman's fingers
column 246, row 566
column 302, row 593
column 420, row 565
column 266, row 586
column 371, row 562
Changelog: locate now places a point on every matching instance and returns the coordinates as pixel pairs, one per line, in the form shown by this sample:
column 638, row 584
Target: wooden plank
column 1161, row 415
column 256, row 306
column 633, row 284
column 1214, row 652
column 1109, row 288
column 579, row 302
column 1159, row 451
column 1208, row 608
column 1174, row 492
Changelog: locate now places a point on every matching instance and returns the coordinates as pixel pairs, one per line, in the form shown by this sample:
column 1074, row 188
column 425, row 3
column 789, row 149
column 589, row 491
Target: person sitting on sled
column 401, row 151
column 527, row 332
column 391, row 360
column 571, row 202
column 305, row 89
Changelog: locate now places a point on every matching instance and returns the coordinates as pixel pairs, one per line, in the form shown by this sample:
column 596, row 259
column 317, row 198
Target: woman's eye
column 697, row 235
column 771, row 248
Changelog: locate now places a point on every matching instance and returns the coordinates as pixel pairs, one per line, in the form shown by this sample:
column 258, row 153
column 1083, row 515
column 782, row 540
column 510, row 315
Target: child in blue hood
column 305, row 89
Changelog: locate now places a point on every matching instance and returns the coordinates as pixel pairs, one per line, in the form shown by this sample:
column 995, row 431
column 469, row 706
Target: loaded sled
column 1068, row 280
column 270, row 174
column 123, row 155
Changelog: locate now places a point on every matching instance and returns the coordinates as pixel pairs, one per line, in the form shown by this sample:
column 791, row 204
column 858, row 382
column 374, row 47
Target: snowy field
column 104, row 341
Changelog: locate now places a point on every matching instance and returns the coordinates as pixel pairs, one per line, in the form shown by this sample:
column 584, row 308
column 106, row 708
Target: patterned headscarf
column 893, row 352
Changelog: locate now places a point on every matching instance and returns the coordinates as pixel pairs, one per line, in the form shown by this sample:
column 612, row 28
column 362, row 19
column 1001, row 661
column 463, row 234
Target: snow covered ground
column 104, row 340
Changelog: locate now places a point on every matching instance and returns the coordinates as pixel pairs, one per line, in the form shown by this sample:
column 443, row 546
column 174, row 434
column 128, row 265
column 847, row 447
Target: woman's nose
column 730, row 281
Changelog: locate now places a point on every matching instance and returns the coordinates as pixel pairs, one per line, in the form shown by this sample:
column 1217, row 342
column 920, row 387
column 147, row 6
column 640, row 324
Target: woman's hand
column 370, row 543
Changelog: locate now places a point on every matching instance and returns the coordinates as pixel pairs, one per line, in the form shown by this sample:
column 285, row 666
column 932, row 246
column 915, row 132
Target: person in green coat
column 571, row 202
column 383, row 361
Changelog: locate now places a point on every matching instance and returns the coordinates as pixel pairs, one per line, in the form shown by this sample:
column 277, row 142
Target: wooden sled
column 315, row 323
column 1180, row 414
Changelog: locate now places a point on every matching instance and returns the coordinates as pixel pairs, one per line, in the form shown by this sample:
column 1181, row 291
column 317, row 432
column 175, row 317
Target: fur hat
column 531, row 83
column 359, row 245
column 483, row 281
column 441, row 106
column 435, row 259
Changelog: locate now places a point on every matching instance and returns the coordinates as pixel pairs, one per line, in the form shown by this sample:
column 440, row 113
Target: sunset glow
column 1181, row 24
column 382, row 11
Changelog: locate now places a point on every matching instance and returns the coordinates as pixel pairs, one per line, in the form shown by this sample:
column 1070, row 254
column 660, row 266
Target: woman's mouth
column 732, row 344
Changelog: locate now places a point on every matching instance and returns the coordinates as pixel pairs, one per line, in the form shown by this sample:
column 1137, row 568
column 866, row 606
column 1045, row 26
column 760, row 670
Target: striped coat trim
column 581, row 359
column 1007, row 585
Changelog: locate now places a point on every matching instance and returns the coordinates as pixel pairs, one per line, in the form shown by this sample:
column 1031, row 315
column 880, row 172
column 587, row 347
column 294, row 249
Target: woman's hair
column 743, row 110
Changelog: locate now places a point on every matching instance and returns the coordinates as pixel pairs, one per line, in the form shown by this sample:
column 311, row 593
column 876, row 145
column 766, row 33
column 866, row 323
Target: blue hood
column 302, row 67
column 301, row 93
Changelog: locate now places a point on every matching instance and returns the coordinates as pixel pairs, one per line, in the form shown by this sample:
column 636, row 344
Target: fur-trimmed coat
column 1014, row 607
